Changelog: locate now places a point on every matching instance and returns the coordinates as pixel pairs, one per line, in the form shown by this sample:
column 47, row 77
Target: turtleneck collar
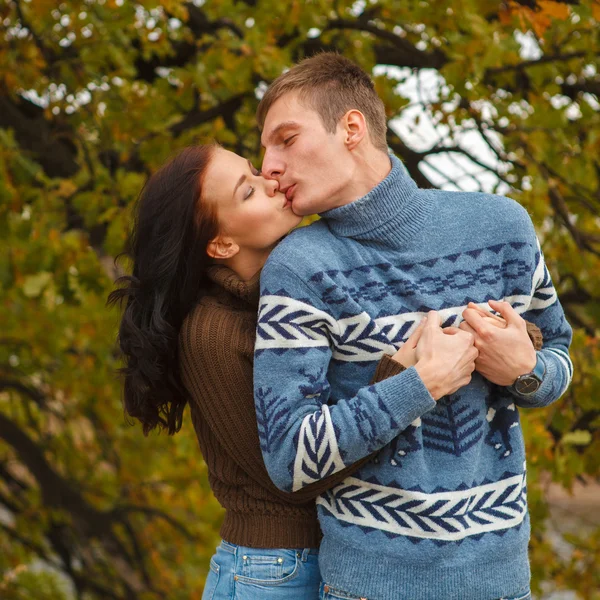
column 230, row 281
column 392, row 211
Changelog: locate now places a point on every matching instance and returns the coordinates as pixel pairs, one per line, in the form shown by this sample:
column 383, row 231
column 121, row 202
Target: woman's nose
column 272, row 186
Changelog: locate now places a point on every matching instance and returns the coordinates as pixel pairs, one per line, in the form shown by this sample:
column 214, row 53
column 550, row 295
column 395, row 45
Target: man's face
column 313, row 167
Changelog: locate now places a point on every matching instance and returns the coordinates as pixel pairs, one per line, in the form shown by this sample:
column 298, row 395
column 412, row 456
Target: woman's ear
column 222, row 248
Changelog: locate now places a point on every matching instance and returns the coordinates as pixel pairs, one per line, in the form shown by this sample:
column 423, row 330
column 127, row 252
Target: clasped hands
column 499, row 348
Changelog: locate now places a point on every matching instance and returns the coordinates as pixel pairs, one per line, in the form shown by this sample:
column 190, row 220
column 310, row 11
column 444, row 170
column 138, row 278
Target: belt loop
column 305, row 553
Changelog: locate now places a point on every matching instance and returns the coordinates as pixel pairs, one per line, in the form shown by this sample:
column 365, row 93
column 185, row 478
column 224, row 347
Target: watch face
column 527, row 385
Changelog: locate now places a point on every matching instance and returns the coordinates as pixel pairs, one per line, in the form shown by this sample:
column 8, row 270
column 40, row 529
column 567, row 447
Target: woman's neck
column 247, row 264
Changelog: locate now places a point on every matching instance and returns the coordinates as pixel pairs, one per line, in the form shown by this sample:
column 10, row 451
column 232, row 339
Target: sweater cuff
column 535, row 335
column 406, row 397
column 387, row 367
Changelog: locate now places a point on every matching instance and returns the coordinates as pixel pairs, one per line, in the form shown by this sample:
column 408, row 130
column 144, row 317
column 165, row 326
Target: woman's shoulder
column 212, row 324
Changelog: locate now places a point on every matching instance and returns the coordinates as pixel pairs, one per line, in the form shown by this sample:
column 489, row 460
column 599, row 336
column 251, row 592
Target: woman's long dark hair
column 167, row 245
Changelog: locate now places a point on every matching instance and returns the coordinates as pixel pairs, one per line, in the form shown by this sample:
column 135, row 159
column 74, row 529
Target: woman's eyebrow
column 240, row 181
column 243, row 177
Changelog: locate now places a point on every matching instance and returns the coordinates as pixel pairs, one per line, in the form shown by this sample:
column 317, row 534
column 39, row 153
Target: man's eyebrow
column 279, row 128
column 242, row 178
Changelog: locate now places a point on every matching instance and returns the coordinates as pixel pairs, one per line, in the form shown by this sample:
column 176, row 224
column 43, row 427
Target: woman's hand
column 407, row 354
column 505, row 348
column 488, row 317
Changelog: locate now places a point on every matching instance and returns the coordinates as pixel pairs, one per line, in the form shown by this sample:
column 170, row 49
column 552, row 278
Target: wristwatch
column 529, row 384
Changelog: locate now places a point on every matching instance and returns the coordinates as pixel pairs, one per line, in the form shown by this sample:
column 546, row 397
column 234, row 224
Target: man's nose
column 272, row 167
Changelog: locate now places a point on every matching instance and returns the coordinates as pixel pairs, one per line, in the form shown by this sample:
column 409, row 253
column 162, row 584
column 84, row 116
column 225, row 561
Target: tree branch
column 546, row 58
column 410, row 158
column 197, row 117
column 44, row 140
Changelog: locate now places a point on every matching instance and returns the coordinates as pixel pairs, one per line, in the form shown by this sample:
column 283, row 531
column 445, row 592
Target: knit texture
column 441, row 511
column 216, row 346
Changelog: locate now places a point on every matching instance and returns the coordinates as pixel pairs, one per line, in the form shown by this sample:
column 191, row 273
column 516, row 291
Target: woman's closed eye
column 249, row 193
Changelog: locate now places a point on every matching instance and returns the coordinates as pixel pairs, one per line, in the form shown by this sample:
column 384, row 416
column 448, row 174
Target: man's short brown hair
column 331, row 85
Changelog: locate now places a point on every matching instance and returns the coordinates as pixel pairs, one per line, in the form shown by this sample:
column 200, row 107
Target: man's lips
column 289, row 192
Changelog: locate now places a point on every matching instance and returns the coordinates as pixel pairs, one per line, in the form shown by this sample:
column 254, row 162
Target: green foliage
column 95, row 95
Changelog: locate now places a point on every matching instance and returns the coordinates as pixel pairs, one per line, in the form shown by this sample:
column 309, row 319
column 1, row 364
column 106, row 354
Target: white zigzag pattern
column 308, row 330
column 540, row 276
column 357, row 502
column 353, row 349
column 310, row 454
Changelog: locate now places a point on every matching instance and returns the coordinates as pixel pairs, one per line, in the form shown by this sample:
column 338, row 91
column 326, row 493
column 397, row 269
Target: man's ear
column 222, row 248
column 355, row 126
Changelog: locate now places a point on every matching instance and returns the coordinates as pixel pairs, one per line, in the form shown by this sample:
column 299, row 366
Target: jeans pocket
column 212, row 580
column 526, row 596
column 268, row 567
column 329, row 593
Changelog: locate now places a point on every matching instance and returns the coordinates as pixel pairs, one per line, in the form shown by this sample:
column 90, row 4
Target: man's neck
column 371, row 168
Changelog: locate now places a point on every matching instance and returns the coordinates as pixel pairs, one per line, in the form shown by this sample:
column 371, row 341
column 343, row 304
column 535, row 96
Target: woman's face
column 250, row 209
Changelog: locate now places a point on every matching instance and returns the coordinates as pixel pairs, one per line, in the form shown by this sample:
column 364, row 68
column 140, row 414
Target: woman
column 205, row 225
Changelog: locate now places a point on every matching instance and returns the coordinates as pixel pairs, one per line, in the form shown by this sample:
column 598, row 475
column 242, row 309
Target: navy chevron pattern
column 452, row 427
column 446, row 516
column 272, row 417
column 317, row 454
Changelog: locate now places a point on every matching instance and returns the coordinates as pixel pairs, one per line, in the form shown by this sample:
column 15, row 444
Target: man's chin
column 297, row 210
column 300, row 209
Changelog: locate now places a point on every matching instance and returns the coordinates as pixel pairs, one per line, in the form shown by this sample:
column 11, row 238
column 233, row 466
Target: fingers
column 473, row 318
column 464, row 326
column 479, row 309
column 434, row 320
column 496, row 322
column 450, row 330
column 486, row 313
column 415, row 336
column 509, row 314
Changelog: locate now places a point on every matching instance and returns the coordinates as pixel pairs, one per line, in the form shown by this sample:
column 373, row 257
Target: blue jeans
column 242, row 573
column 326, row 592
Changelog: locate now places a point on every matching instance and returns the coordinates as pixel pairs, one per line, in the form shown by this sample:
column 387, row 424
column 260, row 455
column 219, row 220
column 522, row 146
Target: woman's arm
column 217, row 370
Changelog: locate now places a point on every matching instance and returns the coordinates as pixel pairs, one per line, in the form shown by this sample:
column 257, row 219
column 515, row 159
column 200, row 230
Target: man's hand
column 445, row 357
column 505, row 352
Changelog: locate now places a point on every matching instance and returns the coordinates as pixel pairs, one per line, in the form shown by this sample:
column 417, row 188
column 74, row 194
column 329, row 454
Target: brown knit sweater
column 216, row 350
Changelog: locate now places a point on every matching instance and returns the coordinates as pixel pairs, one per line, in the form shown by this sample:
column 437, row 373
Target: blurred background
column 96, row 94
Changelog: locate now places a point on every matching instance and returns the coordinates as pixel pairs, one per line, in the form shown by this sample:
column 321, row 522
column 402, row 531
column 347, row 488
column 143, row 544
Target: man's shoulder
column 305, row 249
column 481, row 207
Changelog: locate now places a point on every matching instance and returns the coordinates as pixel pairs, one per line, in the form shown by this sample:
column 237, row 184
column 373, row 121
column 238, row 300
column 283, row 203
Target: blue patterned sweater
column 441, row 511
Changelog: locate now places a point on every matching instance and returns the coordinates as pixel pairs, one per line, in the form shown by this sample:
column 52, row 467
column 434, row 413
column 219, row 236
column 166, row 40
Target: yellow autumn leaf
column 557, row 10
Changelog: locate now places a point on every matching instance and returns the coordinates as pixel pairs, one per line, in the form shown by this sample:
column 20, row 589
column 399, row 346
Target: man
column 441, row 512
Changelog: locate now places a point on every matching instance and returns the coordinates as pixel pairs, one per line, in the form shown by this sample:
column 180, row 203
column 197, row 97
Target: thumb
column 509, row 314
column 451, row 330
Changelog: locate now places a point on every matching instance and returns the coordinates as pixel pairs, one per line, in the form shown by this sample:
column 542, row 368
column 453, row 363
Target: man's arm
column 304, row 437
column 505, row 354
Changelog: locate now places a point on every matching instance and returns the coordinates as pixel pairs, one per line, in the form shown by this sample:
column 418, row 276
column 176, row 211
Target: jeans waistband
column 303, row 553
